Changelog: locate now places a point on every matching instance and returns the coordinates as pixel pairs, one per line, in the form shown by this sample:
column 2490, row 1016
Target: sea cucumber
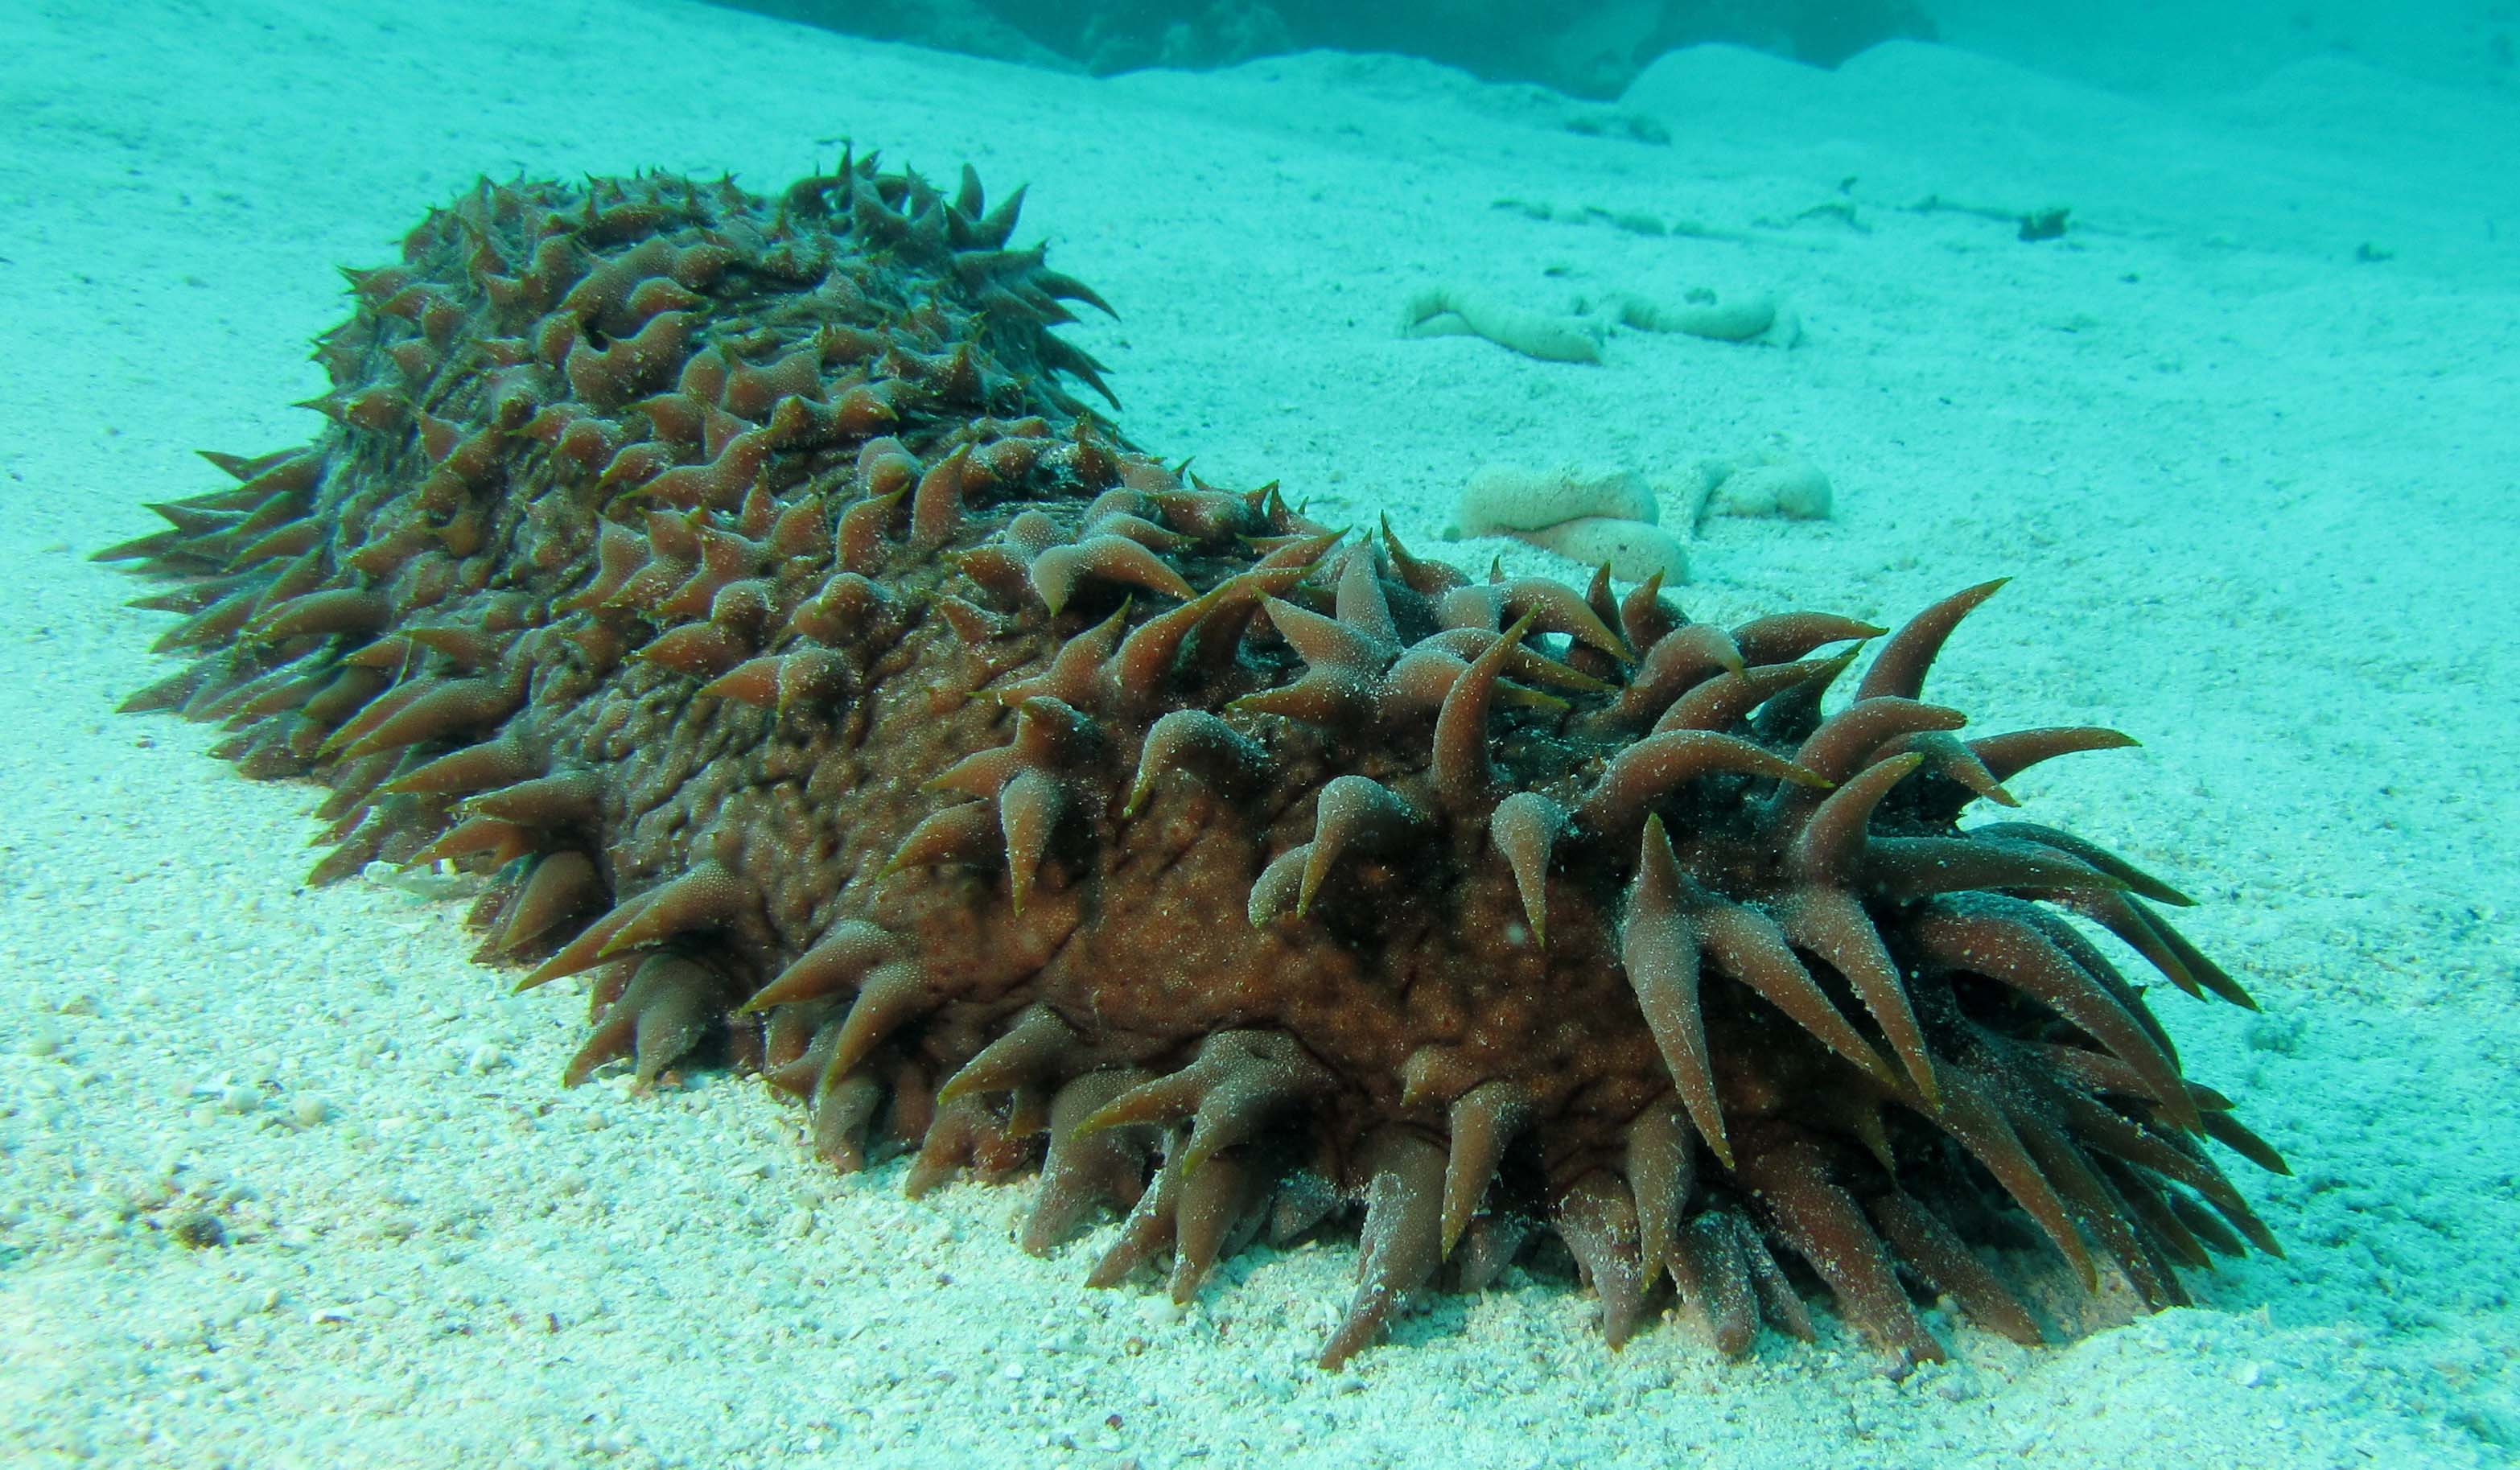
column 1502, row 499
column 1795, row 489
column 1743, row 319
column 1598, row 518
column 735, row 583
column 1459, row 311
column 1634, row 550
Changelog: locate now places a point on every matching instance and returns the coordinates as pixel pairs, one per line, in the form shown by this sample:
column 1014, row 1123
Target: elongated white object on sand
column 1635, row 549
column 1454, row 311
column 1509, row 497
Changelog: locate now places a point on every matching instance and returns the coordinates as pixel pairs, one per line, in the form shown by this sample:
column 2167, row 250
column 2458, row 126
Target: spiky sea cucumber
column 734, row 582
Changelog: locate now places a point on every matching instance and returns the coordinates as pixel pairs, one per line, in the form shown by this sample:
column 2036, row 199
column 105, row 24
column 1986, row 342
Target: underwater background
column 2203, row 328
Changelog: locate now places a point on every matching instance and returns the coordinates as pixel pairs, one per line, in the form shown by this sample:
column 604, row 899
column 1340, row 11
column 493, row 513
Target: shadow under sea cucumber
column 733, row 583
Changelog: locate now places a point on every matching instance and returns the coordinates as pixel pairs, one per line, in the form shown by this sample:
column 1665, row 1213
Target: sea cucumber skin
column 736, row 584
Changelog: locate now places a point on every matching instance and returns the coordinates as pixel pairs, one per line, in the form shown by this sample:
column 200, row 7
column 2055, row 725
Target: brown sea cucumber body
column 734, row 582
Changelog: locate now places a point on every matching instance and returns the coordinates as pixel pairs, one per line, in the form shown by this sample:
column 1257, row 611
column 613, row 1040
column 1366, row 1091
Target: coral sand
column 736, row 583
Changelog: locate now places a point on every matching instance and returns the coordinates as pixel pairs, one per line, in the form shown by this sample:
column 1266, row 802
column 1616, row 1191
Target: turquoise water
column 2242, row 436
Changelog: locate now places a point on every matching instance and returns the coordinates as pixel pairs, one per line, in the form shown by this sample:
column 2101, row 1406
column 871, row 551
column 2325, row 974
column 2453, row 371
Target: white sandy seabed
column 2255, row 493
